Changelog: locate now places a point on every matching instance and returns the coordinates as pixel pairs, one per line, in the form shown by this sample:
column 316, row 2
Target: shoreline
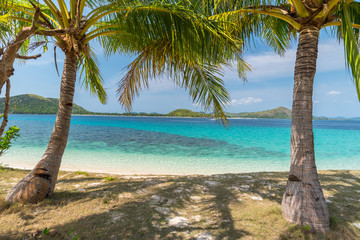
column 119, row 173
column 145, row 175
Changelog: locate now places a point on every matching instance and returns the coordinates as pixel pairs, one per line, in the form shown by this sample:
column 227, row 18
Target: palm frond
column 352, row 55
column 90, row 75
column 202, row 80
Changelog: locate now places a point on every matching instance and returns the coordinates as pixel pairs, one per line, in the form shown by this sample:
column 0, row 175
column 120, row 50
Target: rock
column 163, row 210
column 81, row 190
column 178, row 222
column 196, row 218
column 204, row 236
column 245, row 186
column 211, row 183
column 77, row 185
column 158, row 200
column 328, row 200
column 179, row 190
column 187, row 190
column 357, row 225
column 257, row 198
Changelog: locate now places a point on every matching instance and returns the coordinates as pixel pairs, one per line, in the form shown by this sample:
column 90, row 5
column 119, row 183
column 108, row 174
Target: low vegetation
column 187, row 113
column 229, row 206
column 34, row 104
column 280, row 112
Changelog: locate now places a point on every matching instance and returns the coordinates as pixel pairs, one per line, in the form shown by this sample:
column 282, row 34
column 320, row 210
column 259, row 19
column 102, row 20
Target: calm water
column 144, row 145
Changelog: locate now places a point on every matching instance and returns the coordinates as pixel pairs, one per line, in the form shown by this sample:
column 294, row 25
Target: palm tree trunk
column 8, row 54
column 303, row 201
column 40, row 182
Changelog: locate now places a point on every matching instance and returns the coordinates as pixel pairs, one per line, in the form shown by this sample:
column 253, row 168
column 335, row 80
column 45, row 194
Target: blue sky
column 269, row 85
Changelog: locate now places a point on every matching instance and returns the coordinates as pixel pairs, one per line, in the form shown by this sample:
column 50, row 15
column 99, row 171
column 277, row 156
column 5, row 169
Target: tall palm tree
column 277, row 22
column 171, row 27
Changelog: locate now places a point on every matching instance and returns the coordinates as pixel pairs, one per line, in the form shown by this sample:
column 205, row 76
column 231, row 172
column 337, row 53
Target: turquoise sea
column 155, row 145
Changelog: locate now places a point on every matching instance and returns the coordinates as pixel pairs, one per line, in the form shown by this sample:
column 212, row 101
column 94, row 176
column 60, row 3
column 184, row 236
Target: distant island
column 35, row 104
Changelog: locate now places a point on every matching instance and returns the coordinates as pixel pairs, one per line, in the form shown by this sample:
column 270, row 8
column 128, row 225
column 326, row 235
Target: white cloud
column 245, row 101
column 333, row 93
column 269, row 65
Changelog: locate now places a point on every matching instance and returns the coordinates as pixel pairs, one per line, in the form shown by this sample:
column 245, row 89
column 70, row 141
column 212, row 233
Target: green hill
column 34, row 104
column 280, row 112
column 187, row 113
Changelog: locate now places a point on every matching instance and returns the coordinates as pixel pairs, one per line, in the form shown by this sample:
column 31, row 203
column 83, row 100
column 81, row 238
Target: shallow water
column 154, row 145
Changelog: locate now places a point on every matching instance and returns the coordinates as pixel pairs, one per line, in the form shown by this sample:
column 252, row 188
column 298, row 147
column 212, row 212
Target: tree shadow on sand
column 228, row 206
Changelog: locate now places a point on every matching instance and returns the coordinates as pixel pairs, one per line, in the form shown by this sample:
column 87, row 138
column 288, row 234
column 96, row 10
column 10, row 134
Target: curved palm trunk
column 303, row 201
column 40, row 182
column 9, row 52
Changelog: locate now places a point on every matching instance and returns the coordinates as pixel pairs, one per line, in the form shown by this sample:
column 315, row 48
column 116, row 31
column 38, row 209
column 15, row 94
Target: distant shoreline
column 165, row 116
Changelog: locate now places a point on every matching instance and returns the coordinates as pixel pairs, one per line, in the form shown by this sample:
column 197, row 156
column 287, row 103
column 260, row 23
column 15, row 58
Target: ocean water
column 154, row 145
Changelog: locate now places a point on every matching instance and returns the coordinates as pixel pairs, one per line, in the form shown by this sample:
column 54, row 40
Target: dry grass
column 231, row 206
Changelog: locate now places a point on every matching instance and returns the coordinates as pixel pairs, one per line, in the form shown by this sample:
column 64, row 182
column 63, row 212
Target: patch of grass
column 46, row 231
column 82, row 173
column 109, row 179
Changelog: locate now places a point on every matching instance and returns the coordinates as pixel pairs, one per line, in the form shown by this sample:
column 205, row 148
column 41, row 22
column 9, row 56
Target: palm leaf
column 352, row 55
column 200, row 79
column 90, row 75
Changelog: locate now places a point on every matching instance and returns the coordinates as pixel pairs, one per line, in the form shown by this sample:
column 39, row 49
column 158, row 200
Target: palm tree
column 278, row 22
column 170, row 27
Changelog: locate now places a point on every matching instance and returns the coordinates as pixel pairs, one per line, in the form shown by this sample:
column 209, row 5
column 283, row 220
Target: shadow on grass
column 142, row 208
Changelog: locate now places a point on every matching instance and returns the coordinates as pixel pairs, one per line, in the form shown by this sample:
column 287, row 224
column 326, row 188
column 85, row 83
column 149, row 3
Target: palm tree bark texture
column 40, row 182
column 303, row 201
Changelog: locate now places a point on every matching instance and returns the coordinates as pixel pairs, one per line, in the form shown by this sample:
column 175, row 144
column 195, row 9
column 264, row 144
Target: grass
column 82, row 173
column 229, row 206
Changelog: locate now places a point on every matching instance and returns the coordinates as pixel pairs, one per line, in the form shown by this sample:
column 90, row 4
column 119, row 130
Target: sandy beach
column 223, row 206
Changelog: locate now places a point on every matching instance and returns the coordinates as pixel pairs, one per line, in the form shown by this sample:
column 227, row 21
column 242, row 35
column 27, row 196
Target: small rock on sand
column 163, row 210
column 155, row 199
column 178, row 222
column 179, row 190
column 211, row 183
column 196, row 218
